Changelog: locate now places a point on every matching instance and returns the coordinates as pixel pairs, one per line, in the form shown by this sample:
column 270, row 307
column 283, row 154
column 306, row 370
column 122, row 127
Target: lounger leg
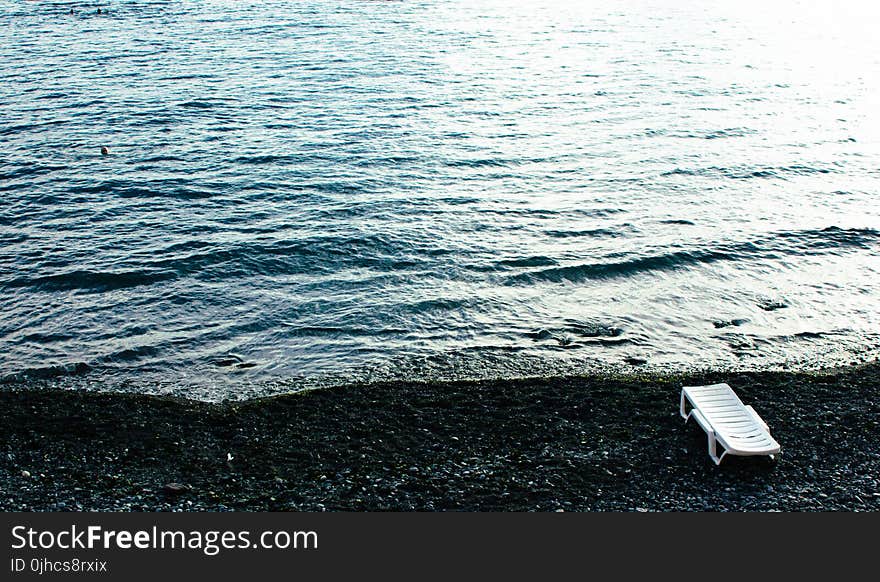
column 713, row 448
column 681, row 408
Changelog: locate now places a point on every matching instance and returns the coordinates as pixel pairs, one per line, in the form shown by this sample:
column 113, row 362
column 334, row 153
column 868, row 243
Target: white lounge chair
column 727, row 421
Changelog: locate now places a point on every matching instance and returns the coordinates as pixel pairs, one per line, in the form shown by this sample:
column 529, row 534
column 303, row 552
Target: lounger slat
column 715, row 389
column 719, row 408
column 727, row 414
column 749, row 445
column 727, row 408
column 712, row 398
column 737, row 430
column 739, row 439
column 742, row 435
column 707, row 397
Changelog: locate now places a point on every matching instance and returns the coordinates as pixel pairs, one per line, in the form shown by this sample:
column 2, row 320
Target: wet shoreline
column 592, row 443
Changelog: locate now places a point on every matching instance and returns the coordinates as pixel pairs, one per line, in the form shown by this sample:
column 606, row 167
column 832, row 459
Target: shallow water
column 361, row 190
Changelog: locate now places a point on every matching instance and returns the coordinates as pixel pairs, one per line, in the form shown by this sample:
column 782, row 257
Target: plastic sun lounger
column 727, row 422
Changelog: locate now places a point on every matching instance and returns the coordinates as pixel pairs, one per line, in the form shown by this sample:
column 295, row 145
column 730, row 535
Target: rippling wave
column 311, row 192
column 780, row 246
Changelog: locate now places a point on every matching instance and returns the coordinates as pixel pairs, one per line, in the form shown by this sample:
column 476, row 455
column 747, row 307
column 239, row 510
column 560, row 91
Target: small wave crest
column 745, row 172
column 774, row 247
column 47, row 372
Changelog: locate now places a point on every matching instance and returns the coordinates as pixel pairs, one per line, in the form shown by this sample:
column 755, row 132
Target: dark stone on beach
column 541, row 334
column 771, row 305
column 564, row 340
column 634, row 361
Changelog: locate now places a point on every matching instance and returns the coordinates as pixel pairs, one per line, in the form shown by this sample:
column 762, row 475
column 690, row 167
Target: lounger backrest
column 715, row 401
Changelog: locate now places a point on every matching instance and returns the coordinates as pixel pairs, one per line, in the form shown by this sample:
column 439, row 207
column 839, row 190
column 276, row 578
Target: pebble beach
column 592, row 443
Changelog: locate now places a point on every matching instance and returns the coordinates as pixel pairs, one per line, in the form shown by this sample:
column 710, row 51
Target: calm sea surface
column 323, row 191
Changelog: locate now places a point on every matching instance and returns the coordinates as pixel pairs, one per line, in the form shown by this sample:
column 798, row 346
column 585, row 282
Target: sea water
column 343, row 190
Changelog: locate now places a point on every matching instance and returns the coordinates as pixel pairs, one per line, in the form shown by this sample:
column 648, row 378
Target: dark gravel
column 575, row 444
